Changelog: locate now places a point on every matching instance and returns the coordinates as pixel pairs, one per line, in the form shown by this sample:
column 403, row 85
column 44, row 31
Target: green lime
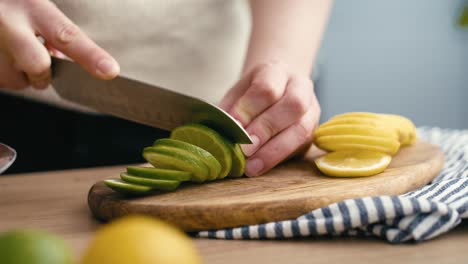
column 163, row 185
column 165, row 157
column 160, row 174
column 33, row 247
column 209, row 140
column 126, row 188
column 205, row 156
column 238, row 161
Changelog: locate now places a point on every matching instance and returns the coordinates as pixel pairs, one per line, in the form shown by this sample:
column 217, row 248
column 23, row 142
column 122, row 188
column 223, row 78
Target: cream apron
column 196, row 47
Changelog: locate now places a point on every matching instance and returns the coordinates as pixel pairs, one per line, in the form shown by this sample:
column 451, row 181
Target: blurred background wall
column 399, row 56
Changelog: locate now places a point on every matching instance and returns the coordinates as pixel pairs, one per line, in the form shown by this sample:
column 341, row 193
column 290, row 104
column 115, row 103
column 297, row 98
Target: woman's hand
column 25, row 60
column 279, row 111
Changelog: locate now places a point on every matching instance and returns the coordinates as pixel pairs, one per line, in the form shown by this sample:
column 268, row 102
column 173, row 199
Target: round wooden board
column 288, row 191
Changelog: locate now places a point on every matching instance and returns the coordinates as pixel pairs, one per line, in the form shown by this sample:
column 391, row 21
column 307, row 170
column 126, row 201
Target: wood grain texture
column 286, row 192
column 55, row 201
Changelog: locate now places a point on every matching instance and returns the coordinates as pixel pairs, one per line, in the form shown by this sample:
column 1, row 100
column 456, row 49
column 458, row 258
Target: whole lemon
column 140, row 240
column 33, row 247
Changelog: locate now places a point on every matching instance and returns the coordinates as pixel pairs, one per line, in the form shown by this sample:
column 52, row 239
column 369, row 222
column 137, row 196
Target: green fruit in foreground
column 33, row 247
column 162, row 185
column 205, row 156
column 238, row 162
column 177, row 159
column 209, row 140
column 160, row 174
column 126, row 188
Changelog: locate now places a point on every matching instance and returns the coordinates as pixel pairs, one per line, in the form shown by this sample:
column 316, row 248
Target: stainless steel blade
column 141, row 102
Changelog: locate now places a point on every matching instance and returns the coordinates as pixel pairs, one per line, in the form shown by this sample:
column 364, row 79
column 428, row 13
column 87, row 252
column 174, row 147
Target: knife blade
column 141, row 102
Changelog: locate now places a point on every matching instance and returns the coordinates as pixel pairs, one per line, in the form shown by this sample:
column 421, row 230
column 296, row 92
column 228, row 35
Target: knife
column 141, row 102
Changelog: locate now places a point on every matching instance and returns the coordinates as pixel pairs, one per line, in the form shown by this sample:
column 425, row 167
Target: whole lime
column 33, row 247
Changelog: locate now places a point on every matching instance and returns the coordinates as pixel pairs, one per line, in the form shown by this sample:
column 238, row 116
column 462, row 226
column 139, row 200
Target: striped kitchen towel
column 416, row 216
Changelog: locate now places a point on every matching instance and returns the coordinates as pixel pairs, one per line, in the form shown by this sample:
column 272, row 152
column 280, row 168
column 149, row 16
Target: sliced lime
column 238, row 161
column 160, row 174
column 209, row 140
column 165, row 157
column 126, row 188
column 205, row 156
column 163, row 185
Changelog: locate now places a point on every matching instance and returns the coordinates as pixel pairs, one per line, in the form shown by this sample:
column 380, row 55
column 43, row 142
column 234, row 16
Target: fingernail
column 108, row 68
column 254, row 167
column 250, row 149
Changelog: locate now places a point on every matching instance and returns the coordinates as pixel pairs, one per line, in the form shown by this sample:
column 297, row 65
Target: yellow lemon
column 353, row 163
column 358, row 129
column 140, row 240
column 337, row 142
column 405, row 128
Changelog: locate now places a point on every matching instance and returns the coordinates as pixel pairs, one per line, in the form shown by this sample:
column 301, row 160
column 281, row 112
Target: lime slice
column 165, row 157
column 205, row 156
column 126, row 188
column 160, row 174
column 238, row 161
column 209, row 140
column 163, row 185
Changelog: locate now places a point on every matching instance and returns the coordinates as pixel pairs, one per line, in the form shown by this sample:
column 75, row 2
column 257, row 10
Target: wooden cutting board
column 288, row 191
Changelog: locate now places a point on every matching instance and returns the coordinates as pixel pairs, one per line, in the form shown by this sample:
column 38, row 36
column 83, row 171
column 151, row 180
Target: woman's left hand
column 279, row 110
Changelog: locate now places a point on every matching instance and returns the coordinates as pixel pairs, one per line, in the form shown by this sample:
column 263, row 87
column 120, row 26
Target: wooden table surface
column 56, row 202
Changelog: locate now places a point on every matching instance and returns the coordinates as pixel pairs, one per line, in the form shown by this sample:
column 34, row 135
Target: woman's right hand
column 25, row 60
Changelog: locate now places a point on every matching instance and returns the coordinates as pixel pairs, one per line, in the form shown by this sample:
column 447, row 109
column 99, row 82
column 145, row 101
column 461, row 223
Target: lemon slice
column 372, row 121
column 333, row 143
column 363, row 130
column 352, row 163
column 404, row 126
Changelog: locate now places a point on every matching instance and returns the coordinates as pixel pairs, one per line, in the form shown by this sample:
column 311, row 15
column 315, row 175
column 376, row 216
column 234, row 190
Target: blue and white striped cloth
column 416, row 216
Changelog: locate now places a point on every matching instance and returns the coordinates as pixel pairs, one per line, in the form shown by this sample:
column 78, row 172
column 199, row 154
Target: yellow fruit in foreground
column 140, row 240
column 352, row 163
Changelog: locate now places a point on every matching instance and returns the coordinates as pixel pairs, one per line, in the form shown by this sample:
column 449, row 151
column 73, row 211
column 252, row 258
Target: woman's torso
column 194, row 47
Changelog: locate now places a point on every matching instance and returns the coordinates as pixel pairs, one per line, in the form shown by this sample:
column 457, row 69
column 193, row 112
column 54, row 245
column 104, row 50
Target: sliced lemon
column 404, row 126
column 363, row 130
column 372, row 121
column 341, row 142
column 358, row 114
column 352, row 163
